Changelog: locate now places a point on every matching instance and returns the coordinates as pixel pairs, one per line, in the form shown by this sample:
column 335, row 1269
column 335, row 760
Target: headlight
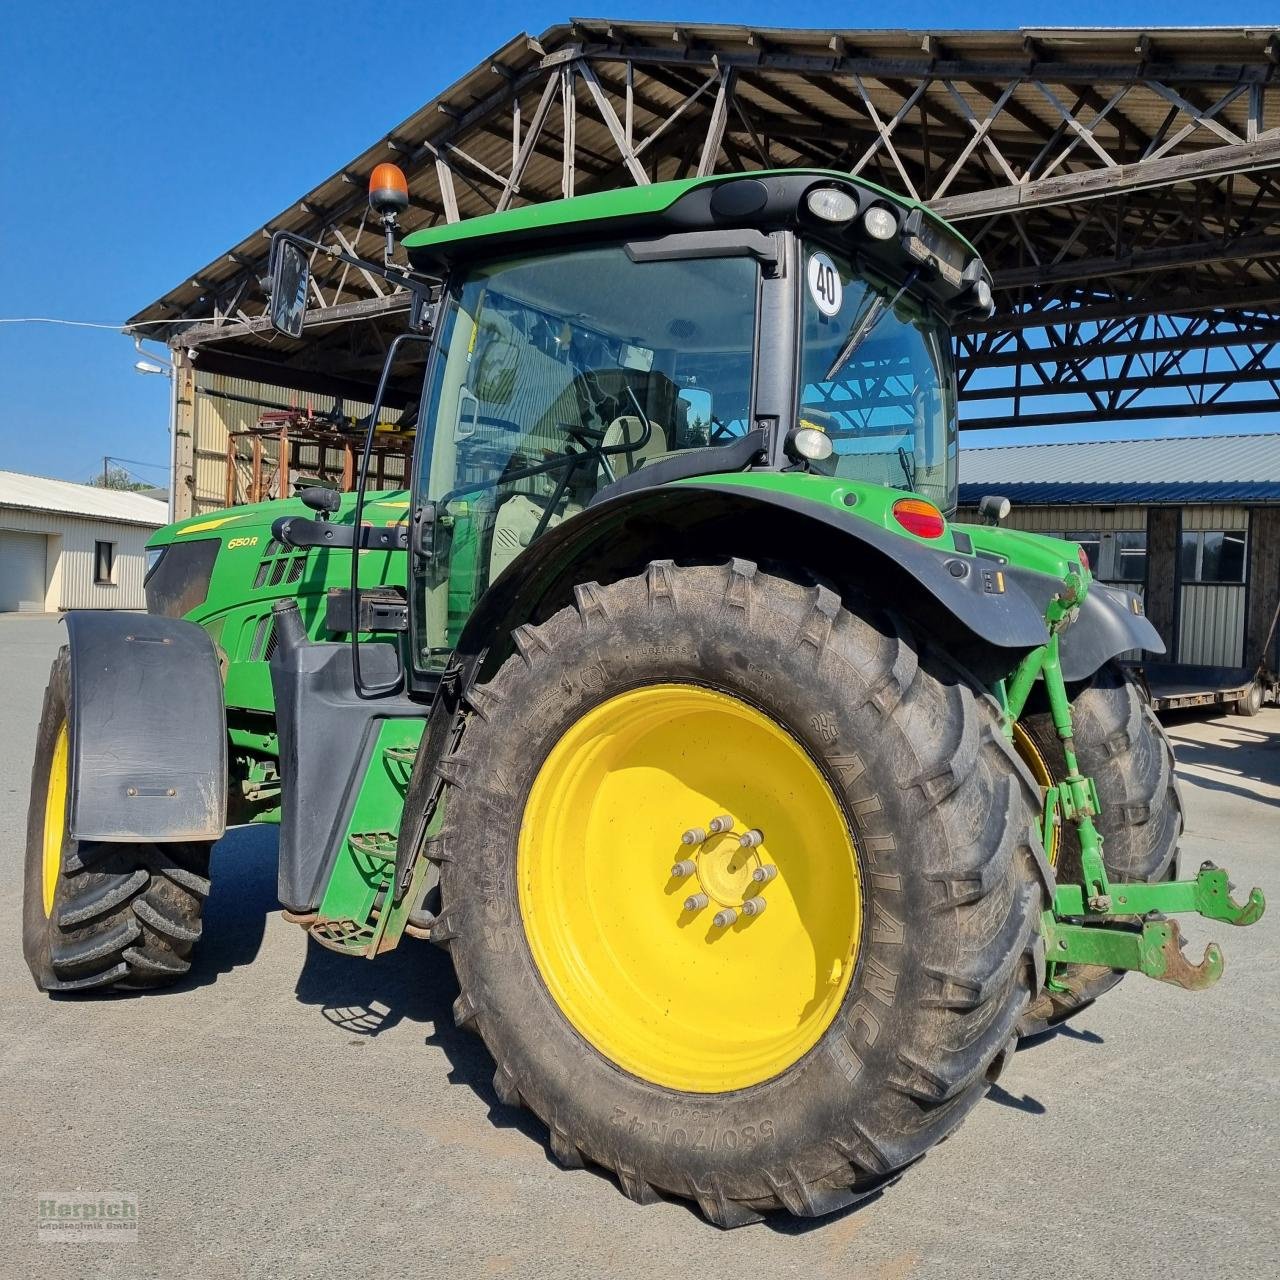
column 810, row 442
column 879, row 222
column 831, row 204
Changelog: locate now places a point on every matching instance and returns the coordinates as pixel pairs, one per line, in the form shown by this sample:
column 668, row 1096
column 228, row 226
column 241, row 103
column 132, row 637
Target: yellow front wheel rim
column 55, row 816
column 662, row 990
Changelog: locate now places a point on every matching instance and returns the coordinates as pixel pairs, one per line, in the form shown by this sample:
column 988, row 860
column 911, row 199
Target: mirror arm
column 395, row 275
column 299, row 531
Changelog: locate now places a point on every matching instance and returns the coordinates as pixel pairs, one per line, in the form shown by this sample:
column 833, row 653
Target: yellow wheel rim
column 55, row 816
column 661, row 989
column 1034, row 759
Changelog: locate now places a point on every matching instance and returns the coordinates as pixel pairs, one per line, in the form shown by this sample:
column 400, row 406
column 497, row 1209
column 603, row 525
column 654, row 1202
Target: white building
column 71, row 546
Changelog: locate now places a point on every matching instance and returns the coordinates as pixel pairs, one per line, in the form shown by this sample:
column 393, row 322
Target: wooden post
column 230, row 494
column 1263, row 585
column 184, row 435
column 1160, row 600
column 255, row 485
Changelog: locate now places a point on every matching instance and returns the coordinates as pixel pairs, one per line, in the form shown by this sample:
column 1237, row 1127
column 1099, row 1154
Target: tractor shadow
column 414, row 983
column 1242, row 757
column 242, row 894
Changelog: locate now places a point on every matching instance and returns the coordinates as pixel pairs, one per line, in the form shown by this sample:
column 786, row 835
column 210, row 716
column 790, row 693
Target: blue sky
column 139, row 141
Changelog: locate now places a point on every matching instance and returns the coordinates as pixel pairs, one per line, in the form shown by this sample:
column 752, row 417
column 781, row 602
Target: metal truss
column 1123, row 186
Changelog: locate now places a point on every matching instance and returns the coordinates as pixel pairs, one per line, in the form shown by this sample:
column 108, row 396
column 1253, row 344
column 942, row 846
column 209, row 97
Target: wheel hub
column 730, row 868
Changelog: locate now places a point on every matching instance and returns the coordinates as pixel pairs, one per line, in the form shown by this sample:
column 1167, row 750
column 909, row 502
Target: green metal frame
column 1094, row 922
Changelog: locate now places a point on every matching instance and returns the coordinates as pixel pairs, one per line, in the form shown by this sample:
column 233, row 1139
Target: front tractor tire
column 1120, row 744
column 99, row 915
column 749, row 1060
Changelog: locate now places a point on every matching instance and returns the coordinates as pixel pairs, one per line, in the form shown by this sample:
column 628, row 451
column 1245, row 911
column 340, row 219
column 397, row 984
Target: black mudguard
column 1110, row 622
column 148, row 729
column 710, row 521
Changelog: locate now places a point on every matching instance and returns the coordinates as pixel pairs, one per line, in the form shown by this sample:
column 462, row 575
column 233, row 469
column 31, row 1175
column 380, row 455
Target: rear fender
column 706, row 523
column 148, row 729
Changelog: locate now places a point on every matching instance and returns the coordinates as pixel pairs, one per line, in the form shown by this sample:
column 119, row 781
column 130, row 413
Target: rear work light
column 917, row 516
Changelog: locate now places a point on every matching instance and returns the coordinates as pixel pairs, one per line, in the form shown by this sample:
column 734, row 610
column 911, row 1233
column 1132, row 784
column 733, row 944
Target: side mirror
column 320, row 498
column 697, row 410
column 290, row 281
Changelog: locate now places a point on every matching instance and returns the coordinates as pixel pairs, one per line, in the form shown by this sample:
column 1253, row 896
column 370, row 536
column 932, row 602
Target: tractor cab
column 793, row 321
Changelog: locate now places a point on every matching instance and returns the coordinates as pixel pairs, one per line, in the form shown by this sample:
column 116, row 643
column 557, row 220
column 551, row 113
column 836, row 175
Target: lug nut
column 696, row 901
column 695, row 835
column 753, row 906
column 720, row 824
column 685, row 867
column 762, row 875
column 724, row 917
column 751, row 839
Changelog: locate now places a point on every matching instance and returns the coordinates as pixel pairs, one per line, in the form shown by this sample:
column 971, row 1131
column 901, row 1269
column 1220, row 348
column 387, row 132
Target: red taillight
column 1084, row 558
column 919, row 517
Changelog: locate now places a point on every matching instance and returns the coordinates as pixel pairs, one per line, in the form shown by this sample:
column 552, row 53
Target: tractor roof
column 633, row 206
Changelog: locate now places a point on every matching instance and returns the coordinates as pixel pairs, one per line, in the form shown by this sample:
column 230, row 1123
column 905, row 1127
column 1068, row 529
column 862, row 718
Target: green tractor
column 761, row 806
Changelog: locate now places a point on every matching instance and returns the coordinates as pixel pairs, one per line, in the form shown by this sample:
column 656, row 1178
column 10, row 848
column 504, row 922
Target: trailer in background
column 1241, row 690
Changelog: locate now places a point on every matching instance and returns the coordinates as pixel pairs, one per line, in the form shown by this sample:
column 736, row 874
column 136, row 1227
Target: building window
column 1128, row 556
column 1113, row 557
column 104, row 564
column 1212, row 555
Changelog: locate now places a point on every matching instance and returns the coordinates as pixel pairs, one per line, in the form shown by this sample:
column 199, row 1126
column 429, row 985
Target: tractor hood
column 390, row 507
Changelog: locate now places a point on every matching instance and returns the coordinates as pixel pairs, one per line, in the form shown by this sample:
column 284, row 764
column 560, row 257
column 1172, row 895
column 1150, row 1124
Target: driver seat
column 623, row 430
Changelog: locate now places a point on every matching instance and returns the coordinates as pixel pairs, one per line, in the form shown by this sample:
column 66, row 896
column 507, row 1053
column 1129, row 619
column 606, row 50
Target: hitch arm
column 1154, row 949
column 1208, row 895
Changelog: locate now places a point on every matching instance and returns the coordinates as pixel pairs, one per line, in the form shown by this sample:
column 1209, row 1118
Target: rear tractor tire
column 100, row 915
column 654, row 766
column 1121, row 745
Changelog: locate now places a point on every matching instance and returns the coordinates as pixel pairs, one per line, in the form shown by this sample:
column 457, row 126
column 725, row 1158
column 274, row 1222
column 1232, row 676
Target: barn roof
column 39, row 493
column 1121, row 184
column 1170, row 470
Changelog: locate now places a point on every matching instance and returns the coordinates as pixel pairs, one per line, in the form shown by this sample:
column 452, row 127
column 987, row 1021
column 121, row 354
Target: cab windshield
column 554, row 376
column 876, row 376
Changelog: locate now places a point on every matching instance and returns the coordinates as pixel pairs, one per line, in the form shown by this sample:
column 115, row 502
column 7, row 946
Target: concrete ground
column 288, row 1112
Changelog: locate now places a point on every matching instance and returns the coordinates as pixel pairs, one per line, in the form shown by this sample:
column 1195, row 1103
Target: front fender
column 710, row 520
column 148, row 733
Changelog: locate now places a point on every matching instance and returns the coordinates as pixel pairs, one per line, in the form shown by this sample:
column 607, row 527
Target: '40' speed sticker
column 824, row 284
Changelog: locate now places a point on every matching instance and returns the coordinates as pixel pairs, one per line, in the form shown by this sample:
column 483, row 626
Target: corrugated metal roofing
column 41, row 494
column 1114, row 495
column 1243, row 468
